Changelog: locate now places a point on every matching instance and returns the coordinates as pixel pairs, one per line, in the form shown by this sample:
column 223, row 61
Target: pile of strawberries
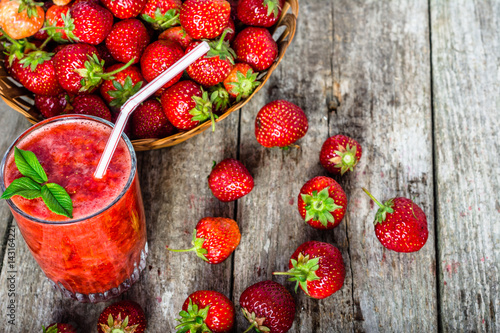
column 90, row 56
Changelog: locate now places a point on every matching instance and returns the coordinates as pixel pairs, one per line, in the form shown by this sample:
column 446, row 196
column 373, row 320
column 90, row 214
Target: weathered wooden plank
column 381, row 70
column 271, row 226
column 176, row 196
column 12, row 124
column 466, row 90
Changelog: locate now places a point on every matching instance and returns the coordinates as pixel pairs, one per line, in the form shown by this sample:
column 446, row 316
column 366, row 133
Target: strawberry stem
column 107, row 76
column 198, row 247
column 373, row 198
column 303, row 271
column 182, row 250
column 383, row 210
column 251, row 326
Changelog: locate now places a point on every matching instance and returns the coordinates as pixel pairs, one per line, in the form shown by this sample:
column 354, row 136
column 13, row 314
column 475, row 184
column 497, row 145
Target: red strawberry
column 214, row 239
column 400, row 225
column 214, row 66
column 91, row 105
column 159, row 56
column 162, row 14
column 206, row 311
column 21, row 18
column 56, row 19
column 205, row 19
column 149, row 121
column 339, row 154
column 127, row 40
column 280, row 123
column 124, row 9
column 186, row 105
column 110, row 319
column 317, row 268
column 36, row 73
column 259, row 13
column 177, row 34
column 268, row 306
column 322, row 203
column 51, row 106
column 85, row 22
column 124, row 85
column 59, row 328
column 241, row 81
column 256, row 47
column 219, row 98
column 230, row 180
column 79, row 68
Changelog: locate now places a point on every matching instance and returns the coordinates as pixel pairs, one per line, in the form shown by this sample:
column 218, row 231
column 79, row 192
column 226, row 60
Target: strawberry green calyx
column 303, row 271
column 220, row 48
column 69, row 26
column 35, row 58
column 123, row 92
column 203, row 109
column 30, row 7
column 219, row 97
column 257, row 323
column 245, row 84
column 163, row 21
column 345, row 159
column 118, row 325
column 18, row 48
column 193, row 320
column 383, row 210
column 273, row 7
column 93, row 73
column 319, row 206
column 198, row 247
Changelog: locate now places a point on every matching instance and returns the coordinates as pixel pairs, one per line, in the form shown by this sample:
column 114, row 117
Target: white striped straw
column 134, row 101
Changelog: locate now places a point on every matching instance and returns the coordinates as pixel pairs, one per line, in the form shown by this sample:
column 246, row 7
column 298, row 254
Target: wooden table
column 417, row 84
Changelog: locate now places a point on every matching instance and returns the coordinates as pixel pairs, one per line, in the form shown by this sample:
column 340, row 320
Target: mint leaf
column 57, row 199
column 28, row 165
column 25, row 187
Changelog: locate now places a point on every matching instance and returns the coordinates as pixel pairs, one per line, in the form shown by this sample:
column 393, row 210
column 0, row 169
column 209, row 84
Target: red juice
column 100, row 252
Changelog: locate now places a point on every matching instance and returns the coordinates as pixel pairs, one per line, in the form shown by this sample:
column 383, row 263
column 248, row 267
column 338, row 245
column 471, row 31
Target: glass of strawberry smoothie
column 101, row 251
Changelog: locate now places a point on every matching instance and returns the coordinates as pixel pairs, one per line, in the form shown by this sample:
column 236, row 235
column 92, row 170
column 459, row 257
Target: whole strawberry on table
column 109, row 49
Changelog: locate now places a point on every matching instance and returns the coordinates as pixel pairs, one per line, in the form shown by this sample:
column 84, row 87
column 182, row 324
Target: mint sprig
column 34, row 185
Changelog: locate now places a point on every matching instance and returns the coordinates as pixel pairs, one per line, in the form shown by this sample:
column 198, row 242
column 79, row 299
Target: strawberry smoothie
column 101, row 251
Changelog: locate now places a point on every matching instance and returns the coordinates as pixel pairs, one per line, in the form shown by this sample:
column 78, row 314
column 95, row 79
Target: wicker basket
column 21, row 100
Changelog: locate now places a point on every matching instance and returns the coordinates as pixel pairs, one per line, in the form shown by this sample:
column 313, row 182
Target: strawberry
column 80, row 69
column 241, row 81
column 161, row 14
column 36, row 73
column 59, row 328
column 105, row 55
column 230, row 180
column 214, row 239
column 339, row 154
column 214, row 66
column 186, row 105
column 205, row 19
column 400, row 225
column 177, row 34
column 322, row 203
column 280, row 123
column 206, row 311
column 134, row 320
column 85, row 22
column 159, row 56
column 149, row 121
column 259, row 13
column 219, row 98
column 124, row 85
column 17, row 50
column 127, row 40
column 317, row 268
column 91, row 105
column 268, row 306
column 51, row 106
column 124, row 9
column 256, row 47
column 21, row 18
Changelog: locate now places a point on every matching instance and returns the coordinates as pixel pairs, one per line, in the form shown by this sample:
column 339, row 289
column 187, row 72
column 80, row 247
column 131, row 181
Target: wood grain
column 381, row 70
column 465, row 53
